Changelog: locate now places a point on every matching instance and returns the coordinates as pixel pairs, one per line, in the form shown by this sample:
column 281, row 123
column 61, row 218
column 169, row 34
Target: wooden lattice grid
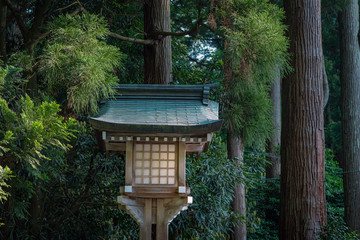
column 155, row 163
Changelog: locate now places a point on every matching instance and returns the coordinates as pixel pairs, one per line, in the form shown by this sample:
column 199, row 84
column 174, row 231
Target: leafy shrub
column 336, row 227
column 211, row 179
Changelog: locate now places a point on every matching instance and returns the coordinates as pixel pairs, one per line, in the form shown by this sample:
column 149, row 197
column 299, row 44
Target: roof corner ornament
column 206, row 93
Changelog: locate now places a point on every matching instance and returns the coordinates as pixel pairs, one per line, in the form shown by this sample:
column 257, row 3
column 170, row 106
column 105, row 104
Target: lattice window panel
column 155, row 163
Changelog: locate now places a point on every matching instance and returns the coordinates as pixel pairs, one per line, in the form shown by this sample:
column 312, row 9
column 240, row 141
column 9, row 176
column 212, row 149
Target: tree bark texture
column 157, row 57
column 273, row 170
column 302, row 201
column 235, row 149
column 350, row 106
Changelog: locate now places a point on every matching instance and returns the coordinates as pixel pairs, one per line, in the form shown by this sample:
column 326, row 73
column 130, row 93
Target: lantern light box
column 156, row 126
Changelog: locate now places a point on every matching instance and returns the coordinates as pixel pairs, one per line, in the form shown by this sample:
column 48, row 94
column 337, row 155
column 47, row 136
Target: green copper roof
column 152, row 109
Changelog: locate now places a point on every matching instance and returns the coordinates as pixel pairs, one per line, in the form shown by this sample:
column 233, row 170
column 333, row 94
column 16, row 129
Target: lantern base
column 148, row 211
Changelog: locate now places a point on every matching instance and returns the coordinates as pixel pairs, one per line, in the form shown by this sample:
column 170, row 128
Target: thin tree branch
column 111, row 34
column 177, row 34
column 76, row 11
column 133, row 40
column 80, row 9
column 63, row 8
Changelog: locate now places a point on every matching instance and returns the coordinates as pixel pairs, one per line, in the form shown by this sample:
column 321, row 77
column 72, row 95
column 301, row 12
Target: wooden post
column 182, row 164
column 129, row 162
column 145, row 227
column 161, row 223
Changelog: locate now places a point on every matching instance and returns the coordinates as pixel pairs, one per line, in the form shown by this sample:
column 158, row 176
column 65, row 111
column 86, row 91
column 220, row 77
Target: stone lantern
column 156, row 126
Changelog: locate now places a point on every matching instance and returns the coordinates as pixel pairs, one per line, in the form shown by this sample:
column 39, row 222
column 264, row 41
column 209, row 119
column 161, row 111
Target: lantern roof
column 159, row 109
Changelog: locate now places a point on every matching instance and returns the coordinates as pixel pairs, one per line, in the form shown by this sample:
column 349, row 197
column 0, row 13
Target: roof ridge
column 166, row 92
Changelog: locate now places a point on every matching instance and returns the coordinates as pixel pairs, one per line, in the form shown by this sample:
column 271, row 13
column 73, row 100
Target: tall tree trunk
column 350, row 102
column 273, row 170
column 235, row 149
column 302, row 201
column 157, row 57
column 3, row 15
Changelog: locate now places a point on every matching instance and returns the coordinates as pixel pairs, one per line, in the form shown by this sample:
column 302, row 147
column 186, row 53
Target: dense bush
column 211, row 179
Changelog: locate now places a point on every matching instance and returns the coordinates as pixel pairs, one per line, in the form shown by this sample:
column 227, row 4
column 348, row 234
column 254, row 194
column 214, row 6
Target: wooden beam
column 182, row 164
column 113, row 146
column 196, row 147
column 129, row 163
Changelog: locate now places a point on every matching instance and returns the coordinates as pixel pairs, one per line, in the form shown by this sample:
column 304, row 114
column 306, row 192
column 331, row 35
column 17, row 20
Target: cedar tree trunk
column 235, row 149
column 273, row 170
column 302, row 200
column 157, row 57
column 350, row 103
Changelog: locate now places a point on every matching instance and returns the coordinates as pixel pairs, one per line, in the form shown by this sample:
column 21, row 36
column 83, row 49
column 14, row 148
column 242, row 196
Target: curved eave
column 188, row 130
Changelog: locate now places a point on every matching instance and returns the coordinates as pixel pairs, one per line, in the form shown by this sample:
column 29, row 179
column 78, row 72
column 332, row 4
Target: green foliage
column 255, row 47
column 27, row 129
column 130, row 24
column 333, row 184
column 32, row 129
column 11, row 84
column 78, row 195
column 336, row 229
column 262, row 196
column 189, row 68
column 249, row 112
column 264, row 200
column 3, row 73
column 77, row 62
column 256, row 40
column 81, row 193
column 8, row 136
column 5, row 175
column 211, row 179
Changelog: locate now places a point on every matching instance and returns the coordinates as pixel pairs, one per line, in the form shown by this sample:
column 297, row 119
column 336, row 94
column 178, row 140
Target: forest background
column 60, row 58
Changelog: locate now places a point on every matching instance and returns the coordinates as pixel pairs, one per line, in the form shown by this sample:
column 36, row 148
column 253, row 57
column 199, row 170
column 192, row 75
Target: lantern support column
column 160, row 211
